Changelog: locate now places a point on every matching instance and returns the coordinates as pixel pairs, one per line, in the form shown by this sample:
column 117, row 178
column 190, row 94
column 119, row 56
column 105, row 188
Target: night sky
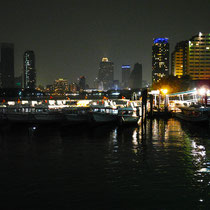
column 69, row 37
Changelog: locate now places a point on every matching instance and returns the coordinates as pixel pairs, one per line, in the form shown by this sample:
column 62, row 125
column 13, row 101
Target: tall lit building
column 135, row 80
column 160, row 58
column 179, row 59
column 29, row 70
column 126, row 70
column 198, row 59
column 61, row 86
column 106, row 73
column 6, row 65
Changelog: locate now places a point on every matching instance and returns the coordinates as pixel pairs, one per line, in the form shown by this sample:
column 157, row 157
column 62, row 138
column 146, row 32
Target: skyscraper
column 136, row 77
column 198, row 59
column 126, row 70
column 179, row 59
column 29, row 70
column 160, row 58
column 82, row 83
column 106, row 73
column 7, row 65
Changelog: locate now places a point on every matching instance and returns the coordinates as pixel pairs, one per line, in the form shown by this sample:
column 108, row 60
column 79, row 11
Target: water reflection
column 158, row 165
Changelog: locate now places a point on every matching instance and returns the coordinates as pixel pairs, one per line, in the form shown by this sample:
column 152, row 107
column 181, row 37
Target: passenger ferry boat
column 106, row 112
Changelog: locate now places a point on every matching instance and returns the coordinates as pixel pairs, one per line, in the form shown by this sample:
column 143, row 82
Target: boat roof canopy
column 183, row 93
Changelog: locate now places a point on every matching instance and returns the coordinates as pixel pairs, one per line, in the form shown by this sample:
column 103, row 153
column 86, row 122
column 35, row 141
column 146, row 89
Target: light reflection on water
column 158, row 165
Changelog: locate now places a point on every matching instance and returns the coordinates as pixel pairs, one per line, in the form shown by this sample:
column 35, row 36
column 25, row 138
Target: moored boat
column 77, row 115
column 102, row 114
column 128, row 115
column 193, row 114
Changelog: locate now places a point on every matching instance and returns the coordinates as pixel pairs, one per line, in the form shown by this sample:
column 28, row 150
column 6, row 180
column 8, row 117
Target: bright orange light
column 164, row 91
column 202, row 91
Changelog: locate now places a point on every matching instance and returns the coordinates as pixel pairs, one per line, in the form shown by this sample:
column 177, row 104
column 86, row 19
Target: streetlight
column 203, row 92
column 164, row 92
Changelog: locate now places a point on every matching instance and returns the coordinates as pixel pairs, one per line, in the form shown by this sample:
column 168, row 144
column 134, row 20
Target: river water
column 163, row 164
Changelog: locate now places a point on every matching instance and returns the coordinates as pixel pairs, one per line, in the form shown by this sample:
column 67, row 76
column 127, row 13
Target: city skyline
column 71, row 37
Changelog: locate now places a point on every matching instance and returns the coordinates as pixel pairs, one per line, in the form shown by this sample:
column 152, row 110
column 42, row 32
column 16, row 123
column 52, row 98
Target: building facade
column 7, row 65
column 106, row 74
column 126, row 71
column 18, row 81
column 160, row 59
column 198, row 58
column 135, row 81
column 82, row 83
column 29, row 70
column 61, row 86
column 179, row 59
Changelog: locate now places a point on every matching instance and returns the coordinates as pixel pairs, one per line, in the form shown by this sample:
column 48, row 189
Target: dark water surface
column 165, row 166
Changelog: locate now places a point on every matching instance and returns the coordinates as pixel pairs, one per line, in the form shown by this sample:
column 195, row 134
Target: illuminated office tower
column 126, row 70
column 29, row 70
column 6, row 65
column 198, row 59
column 106, row 74
column 179, row 59
column 160, row 59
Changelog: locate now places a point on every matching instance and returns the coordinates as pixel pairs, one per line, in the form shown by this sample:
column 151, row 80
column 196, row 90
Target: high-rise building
column 198, row 59
column 160, row 58
column 29, row 70
column 7, row 65
column 135, row 80
column 179, row 59
column 106, row 73
column 126, row 70
column 18, row 81
column 82, row 83
column 61, row 86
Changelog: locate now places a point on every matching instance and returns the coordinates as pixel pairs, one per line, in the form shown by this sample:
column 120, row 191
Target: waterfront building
column 126, row 71
column 135, row 80
column 6, row 65
column 61, row 86
column 198, row 58
column 179, row 59
column 160, row 59
column 82, row 83
column 106, row 74
column 29, row 70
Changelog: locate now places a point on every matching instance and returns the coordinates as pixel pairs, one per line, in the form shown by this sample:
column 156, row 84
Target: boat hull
column 20, row 117
column 77, row 118
column 199, row 119
column 99, row 117
column 127, row 120
column 48, row 117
